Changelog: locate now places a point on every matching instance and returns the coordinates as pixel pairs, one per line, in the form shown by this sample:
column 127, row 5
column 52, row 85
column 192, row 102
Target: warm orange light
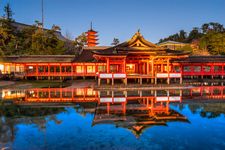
column 130, row 66
column 1, row 68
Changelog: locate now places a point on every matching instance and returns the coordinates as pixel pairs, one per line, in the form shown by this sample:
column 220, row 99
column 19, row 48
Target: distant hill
column 209, row 39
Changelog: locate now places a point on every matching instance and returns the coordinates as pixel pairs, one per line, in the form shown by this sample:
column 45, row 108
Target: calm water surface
column 64, row 118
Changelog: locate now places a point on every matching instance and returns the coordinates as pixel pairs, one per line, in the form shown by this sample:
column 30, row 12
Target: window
column 130, row 68
column 217, row 68
column 176, row 68
column 1, row 68
column 206, row 68
column 90, row 69
column 113, row 68
column 66, row 69
column 167, row 68
column 197, row 68
column 80, row 69
column 101, row 68
column 90, row 92
column 187, row 68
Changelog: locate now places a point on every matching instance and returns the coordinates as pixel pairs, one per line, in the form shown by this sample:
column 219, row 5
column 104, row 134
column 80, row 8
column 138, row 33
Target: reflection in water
column 132, row 110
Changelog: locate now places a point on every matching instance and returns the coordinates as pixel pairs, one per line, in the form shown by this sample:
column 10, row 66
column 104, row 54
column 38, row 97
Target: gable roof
column 137, row 45
column 138, row 42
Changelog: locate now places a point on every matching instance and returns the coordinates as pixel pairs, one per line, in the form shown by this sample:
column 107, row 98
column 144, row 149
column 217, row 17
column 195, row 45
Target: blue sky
column 120, row 18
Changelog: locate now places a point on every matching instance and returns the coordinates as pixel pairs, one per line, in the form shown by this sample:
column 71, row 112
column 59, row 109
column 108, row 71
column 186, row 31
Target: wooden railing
column 112, row 75
column 168, row 75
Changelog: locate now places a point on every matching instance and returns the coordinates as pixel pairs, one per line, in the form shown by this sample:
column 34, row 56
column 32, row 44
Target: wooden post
column 49, row 72
column 181, row 80
column 140, row 93
column 152, row 67
column 125, row 81
column 99, row 81
column 72, row 71
column 168, row 72
column 161, row 68
column 60, row 71
column 108, row 81
column 37, row 71
column 124, row 65
column 112, row 79
column 108, row 67
column 147, row 67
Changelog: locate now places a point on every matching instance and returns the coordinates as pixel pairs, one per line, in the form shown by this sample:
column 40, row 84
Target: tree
column 81, row 40
column 187, row 48
column 212, row 26
column 56, row 28
column 46, row 42
column 194, row 34
column 115, row 41
column 205, row 27
column 8, row 39
column 214, row 42
column 78, row 43
column 8, row 12
column 182, row 36
column 1, row 52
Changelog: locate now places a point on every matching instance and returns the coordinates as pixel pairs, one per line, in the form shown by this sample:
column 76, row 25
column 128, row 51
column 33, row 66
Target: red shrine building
column 135, row 60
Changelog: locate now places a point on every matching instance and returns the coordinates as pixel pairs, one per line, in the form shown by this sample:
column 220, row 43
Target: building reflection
column 133, row 110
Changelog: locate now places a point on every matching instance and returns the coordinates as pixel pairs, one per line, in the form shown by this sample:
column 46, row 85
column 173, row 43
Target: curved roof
column 137, row 45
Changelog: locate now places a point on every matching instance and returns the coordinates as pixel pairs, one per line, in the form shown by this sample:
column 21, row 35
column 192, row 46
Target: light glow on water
column 49, row 119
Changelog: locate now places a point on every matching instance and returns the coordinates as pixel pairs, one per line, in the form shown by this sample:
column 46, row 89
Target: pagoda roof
column 92, row 31
column 138, row 45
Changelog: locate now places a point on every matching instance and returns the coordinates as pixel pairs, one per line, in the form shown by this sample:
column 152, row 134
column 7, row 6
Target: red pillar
column 108, row 67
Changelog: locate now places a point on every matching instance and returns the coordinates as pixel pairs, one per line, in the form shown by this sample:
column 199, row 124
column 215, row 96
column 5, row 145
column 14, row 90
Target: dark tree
column 115, row 41
column 8, row 12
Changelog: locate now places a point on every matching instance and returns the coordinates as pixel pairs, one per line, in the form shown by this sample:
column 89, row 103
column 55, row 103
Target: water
column 64, row 118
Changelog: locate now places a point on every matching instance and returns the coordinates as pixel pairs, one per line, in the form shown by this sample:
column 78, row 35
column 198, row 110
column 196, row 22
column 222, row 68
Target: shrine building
column 135, row 60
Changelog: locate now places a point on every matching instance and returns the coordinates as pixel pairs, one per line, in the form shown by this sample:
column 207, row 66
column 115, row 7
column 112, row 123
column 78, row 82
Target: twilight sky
column 120, row 18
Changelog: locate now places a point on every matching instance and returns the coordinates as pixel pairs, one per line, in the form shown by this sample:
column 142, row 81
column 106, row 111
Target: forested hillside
column 210, row 37
column 21, row 39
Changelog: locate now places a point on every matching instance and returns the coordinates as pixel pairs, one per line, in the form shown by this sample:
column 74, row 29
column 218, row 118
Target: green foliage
column 195, row 33
column 31, row 40
column 212, row 26
column 186, row 48
column 214, row 42
column 1, row 52
column 74, row 47
column 8, row 38
column 179, row 37
column 211, row 36
column 80, row 41
column 45, row 42
column 8, row 12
